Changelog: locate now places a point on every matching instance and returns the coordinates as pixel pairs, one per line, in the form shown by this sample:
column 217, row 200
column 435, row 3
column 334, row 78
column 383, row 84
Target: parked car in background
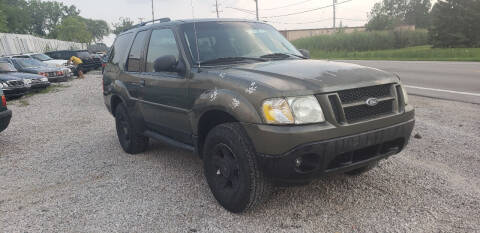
column 44, row 58
column 31, row 81
column 11, row 85
column 59, row 63
column 90, row 62
column 33, row 66
column 5, row 113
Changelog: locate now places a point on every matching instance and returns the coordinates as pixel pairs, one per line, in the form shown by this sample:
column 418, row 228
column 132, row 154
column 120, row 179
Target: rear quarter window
column 120, row 49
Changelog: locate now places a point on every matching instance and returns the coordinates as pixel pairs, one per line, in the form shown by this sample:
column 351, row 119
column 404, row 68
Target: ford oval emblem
column 372, row 102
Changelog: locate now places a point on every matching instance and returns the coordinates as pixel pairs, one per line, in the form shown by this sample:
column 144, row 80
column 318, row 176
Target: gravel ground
column 62, row 170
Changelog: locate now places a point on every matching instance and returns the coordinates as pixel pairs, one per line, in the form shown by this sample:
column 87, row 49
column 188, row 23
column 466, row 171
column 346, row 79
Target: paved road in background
column 447, row 80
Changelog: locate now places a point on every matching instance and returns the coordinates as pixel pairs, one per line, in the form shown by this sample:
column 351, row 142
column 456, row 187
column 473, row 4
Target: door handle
column 142, row 83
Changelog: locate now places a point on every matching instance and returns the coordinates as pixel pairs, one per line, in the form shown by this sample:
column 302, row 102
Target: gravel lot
column 62, row 170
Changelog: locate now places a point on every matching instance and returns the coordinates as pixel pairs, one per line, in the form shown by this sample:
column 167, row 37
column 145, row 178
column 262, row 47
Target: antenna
column 196, row 37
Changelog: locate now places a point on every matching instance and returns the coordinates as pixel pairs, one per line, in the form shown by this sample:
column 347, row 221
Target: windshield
column 42, row 57
column 7, row 67
column 29, row 62
column 234, row 39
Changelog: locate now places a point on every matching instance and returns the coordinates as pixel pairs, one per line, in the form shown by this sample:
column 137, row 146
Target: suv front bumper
column 343, row 154
column 292, row 153
column 5, row 117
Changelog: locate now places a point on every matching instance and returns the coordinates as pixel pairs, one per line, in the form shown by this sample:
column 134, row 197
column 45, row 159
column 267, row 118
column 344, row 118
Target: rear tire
column 130, row 139
column 360, row 171
column 231, row 169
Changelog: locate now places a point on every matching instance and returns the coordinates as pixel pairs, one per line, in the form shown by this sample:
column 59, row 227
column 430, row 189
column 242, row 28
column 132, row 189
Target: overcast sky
column 352, row 13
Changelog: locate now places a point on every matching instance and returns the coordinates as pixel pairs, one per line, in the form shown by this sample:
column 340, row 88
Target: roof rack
column 162, row 20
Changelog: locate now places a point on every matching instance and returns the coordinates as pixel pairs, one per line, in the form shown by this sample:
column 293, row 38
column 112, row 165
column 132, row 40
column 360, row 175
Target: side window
column 120, row 50
column 133, row 63
column 162, row 43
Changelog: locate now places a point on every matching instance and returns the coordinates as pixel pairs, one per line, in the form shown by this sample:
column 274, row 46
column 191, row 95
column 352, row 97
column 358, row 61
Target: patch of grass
column 364, row 41
column 23, row 103
column 417, row 53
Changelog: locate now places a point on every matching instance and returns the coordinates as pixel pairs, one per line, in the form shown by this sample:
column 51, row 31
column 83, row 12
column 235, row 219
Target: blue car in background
column 33, row 66
column 15, row 84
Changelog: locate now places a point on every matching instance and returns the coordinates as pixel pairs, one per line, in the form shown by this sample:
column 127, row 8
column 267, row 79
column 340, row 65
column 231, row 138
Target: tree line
column 50, row 20
column 451, row 23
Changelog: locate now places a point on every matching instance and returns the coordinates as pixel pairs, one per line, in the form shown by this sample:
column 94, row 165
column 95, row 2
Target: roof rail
column 162, row 20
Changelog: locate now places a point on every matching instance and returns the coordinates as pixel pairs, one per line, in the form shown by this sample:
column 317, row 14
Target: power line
column 289, row 5
column 242, row 10
column 309, row 22
column 216, row 9
column 256, row 7
column 153, row 12
column 306, row 11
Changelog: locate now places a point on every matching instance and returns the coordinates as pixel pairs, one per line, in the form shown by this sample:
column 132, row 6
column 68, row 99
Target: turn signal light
column 4, row 101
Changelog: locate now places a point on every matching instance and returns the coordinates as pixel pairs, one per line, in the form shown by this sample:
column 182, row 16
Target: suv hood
column 41, row 69
column 56, row 63
column 25, row 75
column 310, row 76
column 8, row 77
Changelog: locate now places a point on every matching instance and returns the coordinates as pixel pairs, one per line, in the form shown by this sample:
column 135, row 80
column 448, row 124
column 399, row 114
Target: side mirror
column 305, row 53
column 166, row 63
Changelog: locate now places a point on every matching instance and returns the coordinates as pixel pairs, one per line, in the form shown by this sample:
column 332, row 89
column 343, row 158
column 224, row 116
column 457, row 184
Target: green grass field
column 418, row 53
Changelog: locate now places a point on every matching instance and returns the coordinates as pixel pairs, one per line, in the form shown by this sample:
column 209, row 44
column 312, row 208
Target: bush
column 456, row 24
column 364, row 41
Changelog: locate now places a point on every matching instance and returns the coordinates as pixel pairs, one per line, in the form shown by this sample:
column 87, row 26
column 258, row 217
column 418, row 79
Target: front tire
column 231, row 169
column 130, row 139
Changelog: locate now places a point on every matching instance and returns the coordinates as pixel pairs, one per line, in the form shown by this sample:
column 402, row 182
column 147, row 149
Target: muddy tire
column 130, row 140
column 231, row 169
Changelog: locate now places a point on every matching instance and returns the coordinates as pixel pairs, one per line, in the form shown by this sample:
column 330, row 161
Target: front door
column 164, row 97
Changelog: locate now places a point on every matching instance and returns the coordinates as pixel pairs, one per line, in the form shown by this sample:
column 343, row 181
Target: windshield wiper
column 230, row 59
column 281, row 55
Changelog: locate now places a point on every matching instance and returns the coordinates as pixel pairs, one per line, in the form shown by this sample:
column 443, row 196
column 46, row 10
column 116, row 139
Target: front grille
column 15, row 83
column 362, row 94
column 350, row 106
column 364, row 112
column 51, row 74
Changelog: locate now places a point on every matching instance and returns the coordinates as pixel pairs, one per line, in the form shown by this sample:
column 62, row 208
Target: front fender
column 227, row 101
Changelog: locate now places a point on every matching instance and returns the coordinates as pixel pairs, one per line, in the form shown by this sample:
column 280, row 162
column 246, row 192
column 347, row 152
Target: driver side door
column 164, row 96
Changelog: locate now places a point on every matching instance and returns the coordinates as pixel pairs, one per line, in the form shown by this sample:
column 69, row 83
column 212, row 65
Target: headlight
column 277, row 111
column 306, row 109
column 44, row 79
column 293, row 110
column 405, row 95
column 1, row 85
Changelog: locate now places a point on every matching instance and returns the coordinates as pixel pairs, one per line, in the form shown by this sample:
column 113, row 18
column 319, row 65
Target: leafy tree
column 418, row 13
column 388, row 14
column 98, row 28
column 124, row 24
column 3, row 22
column 17, row 16
column 73, row 28
column 455, row 23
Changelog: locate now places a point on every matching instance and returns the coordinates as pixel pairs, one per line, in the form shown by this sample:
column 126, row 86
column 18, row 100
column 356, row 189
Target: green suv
column 253, row 107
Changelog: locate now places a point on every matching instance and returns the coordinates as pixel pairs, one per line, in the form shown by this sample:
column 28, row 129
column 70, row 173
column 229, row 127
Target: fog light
column 298, row 161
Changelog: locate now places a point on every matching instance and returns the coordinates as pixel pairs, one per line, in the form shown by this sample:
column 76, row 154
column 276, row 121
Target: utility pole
column 216, row 8
column 334, row 16
column 256, row 2
column 153, row 12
